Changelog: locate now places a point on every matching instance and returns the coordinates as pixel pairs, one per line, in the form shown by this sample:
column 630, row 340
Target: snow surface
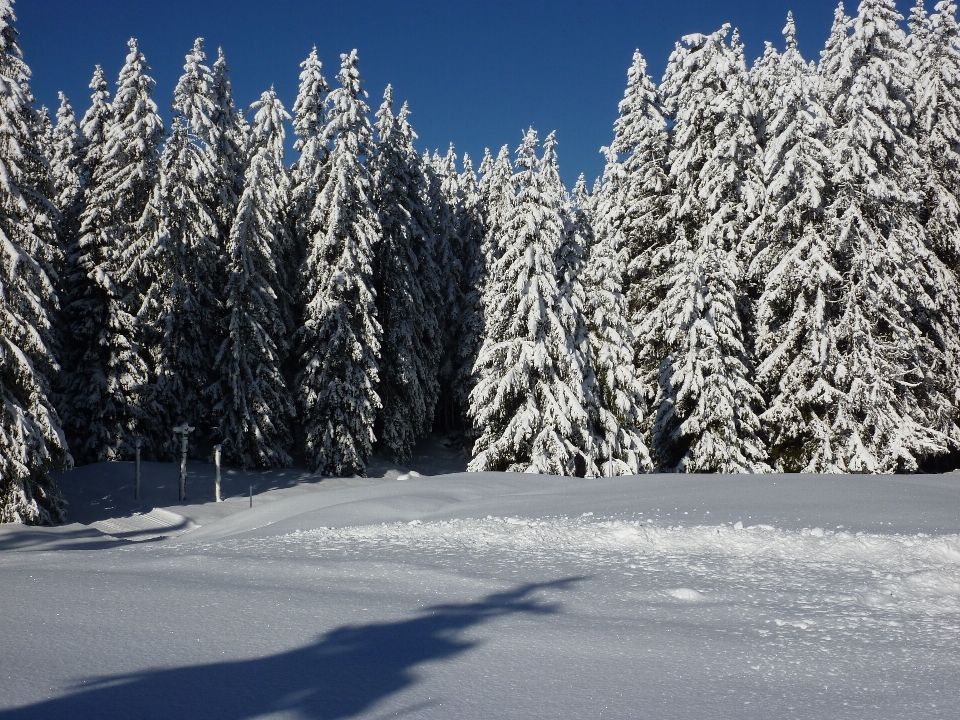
column 489, row 595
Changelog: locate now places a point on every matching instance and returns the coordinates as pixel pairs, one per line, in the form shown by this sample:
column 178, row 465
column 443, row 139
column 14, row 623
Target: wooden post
column 136, row 487
column 216, row 463
column 251, row 496
column 183, row 431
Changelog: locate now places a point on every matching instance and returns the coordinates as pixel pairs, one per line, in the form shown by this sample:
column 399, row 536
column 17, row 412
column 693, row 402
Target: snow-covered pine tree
column 227, row 144
column 497, row 194
column 707, row 403
column 65, row 168
column 339, row 343
column 891, row 334
column 528, row 401
column 831, row 57
column 616, row 401
column 919, row 36
column 937, row 112
column 446, row 206
column 183, row 307
column 31, row 442
column 79, row 302
column 408, row 292
column 570, row 259
column 94, row 126
column 471, row 232
column 252, row 406
column 307, row 176
column 309, row 171
column 938, row 131
column 765, row 81
column 110, row 395
column 43, row 131
column 795, row 271
column 631, row 208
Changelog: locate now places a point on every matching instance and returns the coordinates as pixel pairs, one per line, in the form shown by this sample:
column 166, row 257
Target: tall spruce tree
column 631, row 209
column 446, row 206
column 309, row 125
column 938, row 131
column 528, row 403
column 79, row 302
column 919, row 36
column 795, row 271
column 65, row 165
column 339, row 342
column 765, row 80
column 496, row 194
column 707, row 403
column 31, row 442
column 183, row 305
column 891, row 333
column 617, row 400
column 110, row 392
column 832, row 57
column 408, row 292
column 471, row 232
column 227, row 146
column 252, row 403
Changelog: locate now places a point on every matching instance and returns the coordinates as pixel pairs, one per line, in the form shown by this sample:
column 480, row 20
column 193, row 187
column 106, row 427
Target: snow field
column 501, row 595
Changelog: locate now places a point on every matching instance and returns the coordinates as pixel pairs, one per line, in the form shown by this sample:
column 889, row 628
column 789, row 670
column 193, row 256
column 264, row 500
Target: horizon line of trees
column 765, row 277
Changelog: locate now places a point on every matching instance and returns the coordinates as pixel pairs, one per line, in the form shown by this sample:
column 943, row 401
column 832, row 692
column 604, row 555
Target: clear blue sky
column 476, row 72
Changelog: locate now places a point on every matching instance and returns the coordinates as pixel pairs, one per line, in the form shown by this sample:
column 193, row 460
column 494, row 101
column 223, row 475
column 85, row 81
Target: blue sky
column 476, row 73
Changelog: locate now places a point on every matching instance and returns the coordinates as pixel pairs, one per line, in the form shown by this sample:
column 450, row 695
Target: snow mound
column 144, row 526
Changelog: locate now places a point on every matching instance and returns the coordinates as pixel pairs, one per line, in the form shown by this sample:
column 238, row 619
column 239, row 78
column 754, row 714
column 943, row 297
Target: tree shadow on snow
column 343, row 673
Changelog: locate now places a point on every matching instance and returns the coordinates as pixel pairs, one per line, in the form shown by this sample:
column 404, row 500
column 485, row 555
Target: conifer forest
column 765, row 277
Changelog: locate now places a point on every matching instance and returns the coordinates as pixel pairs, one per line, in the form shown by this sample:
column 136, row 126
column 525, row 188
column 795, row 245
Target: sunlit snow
column 492, row 596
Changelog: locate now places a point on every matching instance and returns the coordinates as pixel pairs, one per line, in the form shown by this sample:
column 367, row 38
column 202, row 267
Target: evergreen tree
column 617, row 399
column 110, row 394
column 65, row 165
column 309, row 125
column 795, row 269
column 446, row 203
column 496, row 196
column 93, row 127
column 339, row 343
column 938, row 129
column 528, row 403
column 570, row 259
column 227, row 143
column 469, row 323
column 80, row 303
column 832, row 57
column 631, row 208
column 252, row 403
column 765, row 81
column 919, row 37
column 183, row 307
column 408, row 292
column 890, row 333
column 707, row 403
column 31, row 442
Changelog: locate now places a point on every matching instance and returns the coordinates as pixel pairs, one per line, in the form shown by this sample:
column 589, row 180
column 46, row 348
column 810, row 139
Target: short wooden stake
column 251, row 496
column 216, row 482
column 136, row 487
